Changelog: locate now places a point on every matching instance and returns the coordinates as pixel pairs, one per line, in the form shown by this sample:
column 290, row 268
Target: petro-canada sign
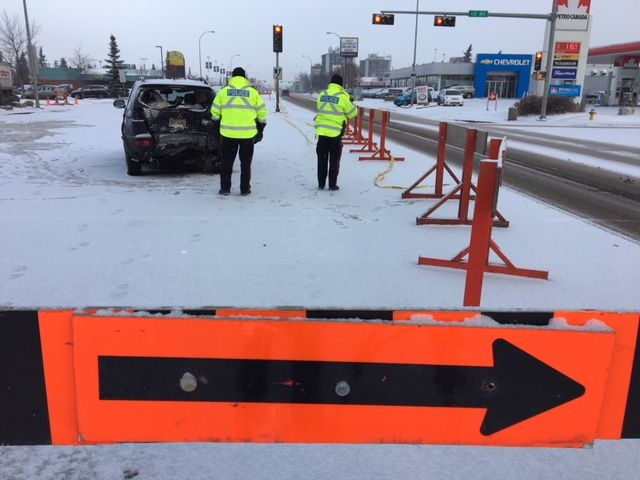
column 573, row 14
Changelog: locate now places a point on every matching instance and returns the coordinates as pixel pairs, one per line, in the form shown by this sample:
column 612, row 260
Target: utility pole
column 414, row 97
column 32, row 60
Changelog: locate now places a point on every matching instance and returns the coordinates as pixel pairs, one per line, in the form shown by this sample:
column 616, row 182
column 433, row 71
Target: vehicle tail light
column 145, row 142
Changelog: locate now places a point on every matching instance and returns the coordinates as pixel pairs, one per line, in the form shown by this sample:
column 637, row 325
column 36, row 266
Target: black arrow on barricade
column 516, row 388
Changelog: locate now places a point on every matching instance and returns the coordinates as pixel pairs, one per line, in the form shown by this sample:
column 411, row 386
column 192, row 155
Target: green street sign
column 479, row 13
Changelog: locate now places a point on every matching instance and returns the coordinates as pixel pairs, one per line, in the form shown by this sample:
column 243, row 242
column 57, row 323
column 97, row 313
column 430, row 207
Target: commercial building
column 436, row 75
column 506, row 75
column 613, row 74
column 375, row 66
column 331, row 61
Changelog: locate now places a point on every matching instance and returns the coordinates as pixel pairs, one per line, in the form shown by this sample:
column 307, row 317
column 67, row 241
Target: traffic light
column 277, row 38
column 444, row 21
column 382, row 19
column 537, row 66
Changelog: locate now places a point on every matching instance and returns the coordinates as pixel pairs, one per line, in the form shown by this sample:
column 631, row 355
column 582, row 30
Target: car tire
column 133, row 168
column 211, row 163
column 467, row 95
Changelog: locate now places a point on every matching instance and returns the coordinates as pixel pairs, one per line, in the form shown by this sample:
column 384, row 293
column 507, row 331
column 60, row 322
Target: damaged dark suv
column 167, row 123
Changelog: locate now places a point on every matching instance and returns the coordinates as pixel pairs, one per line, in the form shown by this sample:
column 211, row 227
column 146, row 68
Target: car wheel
column 133, row 168
column 211, row 163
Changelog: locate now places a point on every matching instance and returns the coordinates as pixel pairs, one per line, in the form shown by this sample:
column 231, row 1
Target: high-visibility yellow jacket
column 237, row 106
column 334, row 107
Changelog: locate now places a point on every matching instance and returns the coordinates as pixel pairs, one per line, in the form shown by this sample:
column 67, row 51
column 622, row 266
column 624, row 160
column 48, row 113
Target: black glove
column 344, row 128
column 260, row 126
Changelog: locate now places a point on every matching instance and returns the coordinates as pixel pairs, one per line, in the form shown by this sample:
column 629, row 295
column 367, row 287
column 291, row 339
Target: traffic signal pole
column 277, row 82
column 550, row 52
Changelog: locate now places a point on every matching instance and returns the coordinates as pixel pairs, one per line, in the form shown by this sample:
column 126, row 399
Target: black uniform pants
column 230, row 147
column 329, row 150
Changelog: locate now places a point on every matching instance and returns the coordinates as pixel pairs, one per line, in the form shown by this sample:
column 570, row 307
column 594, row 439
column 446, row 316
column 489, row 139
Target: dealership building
column 508, row 75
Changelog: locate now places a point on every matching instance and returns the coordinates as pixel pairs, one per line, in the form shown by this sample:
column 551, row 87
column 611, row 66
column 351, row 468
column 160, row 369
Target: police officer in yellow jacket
column 240, row 115
column 334, row 108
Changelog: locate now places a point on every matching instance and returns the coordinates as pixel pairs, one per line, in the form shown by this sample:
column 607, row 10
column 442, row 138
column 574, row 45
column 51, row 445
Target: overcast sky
column 245, row 28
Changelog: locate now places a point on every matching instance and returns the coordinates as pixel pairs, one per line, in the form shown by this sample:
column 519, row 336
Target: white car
column 449, row 96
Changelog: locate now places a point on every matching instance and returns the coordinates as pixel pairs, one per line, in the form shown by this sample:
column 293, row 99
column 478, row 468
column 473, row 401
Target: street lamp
column 161, row 59
column 310, row 61
column 342, row 64
column 231, row 61
column 200, row 50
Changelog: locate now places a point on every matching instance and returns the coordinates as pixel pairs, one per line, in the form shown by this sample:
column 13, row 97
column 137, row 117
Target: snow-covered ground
column 77, row 231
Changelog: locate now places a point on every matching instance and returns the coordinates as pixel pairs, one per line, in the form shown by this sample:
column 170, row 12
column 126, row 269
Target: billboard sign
column 564, row 73
column 565, row 90
column 567, row 48
column 5, row 76
column 573, row 14
column 348, row 46
column 561, row 62
column 175, row 65
column 422, row 95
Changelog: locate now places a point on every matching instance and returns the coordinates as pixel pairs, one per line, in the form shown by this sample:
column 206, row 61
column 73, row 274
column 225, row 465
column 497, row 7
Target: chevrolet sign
column 507, row 62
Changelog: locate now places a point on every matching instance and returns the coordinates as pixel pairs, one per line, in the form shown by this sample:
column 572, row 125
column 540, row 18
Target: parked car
column 467, row 91
column 91, row 91
column 449, row 96
column 168, row 123
column 44, row 92
column 371, row 92
column 285, row 92
column 67, row 87
column 406, row 99
column 392, row 93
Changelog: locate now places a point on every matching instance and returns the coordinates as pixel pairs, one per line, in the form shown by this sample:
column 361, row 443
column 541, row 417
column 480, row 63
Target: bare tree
column 13, row 39
column 80, row 59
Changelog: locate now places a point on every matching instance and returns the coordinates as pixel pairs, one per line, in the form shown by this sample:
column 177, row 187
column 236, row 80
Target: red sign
column 571, row 5
column 629, row 61
column 568, row 47
column 493, row 96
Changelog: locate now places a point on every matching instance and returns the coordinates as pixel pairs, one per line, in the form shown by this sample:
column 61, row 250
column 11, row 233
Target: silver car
column 449, row 96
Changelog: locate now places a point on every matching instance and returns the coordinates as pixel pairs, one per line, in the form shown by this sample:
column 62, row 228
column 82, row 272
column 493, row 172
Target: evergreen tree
column 114, row 64
column 153, row 66
column 42, row 60
column 467, row 55
column 63, row 63
column 55, row 64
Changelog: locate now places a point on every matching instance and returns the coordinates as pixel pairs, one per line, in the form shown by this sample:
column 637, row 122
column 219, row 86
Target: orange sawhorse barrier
column 354, row 131
column 381, row 153
column 439, row 168
column 462, row 191
column 369, row 145
column 481, row 242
